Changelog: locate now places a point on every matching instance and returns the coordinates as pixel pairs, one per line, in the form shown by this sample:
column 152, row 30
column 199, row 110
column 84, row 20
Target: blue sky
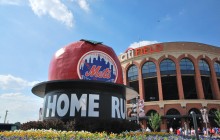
column 31, row 31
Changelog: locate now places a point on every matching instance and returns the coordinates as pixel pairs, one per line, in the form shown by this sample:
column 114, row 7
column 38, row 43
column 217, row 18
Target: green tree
column 154, row 121
column 217, row 119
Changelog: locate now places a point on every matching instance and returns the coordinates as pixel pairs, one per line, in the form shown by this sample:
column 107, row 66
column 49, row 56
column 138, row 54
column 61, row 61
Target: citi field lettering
column 87, row 106
column 141, row 51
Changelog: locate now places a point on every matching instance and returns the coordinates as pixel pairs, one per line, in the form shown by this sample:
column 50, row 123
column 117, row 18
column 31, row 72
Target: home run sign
column 85, row 81
column 87, row 99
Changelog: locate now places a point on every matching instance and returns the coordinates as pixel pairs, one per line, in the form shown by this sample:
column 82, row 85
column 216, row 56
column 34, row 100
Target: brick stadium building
column 174, row 79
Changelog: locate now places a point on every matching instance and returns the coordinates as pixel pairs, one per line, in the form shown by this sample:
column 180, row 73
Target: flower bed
column 34, row 134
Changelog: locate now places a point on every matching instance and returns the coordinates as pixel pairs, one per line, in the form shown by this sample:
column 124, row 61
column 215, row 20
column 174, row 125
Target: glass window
column 204, row 67
column 132, row 73
column 186, row 66
column 149, row 69
column 167, row 66
column 217, row 69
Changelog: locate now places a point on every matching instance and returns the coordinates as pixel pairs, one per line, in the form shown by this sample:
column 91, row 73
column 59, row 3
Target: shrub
column 78, row 124
column 46, row 124
column 217, row 117
column 105, row 125
column 154, row 121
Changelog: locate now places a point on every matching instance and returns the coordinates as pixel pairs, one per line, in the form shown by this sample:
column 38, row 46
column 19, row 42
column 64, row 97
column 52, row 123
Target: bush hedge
column 82, row 124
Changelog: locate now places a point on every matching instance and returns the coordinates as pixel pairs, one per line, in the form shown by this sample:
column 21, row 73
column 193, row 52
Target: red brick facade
column 176, row 51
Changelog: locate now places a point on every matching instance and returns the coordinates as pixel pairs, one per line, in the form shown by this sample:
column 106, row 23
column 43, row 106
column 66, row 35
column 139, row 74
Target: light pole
column 205, row 118
column 195, row 124
column 6, row 113
column 137, row 103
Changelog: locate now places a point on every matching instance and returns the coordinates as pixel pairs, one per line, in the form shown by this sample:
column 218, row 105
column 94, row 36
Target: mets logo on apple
column 97, row 65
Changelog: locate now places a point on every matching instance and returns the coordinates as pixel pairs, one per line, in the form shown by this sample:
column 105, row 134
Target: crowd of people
column 215, row 131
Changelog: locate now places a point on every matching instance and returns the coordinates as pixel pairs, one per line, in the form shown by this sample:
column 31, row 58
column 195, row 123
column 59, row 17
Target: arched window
column 150, row 81
column 133, row 73
column 204, row 67
column 198, row 116
column 168, row 79
column 173, row 112
column 205, row 77
column 211, row 117
column 150, row 112
column 188, row 81
column 186, row 66
column 212, row 111
column 173, row 118
column 197, row 111
column 149, row 69
column 217, row 69
column 167, row 67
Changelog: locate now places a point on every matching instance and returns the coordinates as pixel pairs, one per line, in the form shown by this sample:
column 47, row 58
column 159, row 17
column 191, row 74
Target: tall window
column 133, row 73
column 168, row 79
column 186, row 66
column 204, row 67
column 217, row 69
column 205, row 73
column 150, row 81
column 149, row 70
column 167, row 66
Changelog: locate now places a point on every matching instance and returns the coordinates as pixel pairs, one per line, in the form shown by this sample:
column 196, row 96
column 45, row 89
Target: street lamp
column 205, row 117
column 195, row 124
column 6, row 113
column 137, row 103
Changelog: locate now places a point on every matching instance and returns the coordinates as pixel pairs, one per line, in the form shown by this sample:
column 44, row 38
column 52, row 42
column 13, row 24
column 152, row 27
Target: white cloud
column 16, row 97
column 142, row 43
column 21, row 108
column 54, row 8
column 83, row 5
column 10, row 2
column 9, row 82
